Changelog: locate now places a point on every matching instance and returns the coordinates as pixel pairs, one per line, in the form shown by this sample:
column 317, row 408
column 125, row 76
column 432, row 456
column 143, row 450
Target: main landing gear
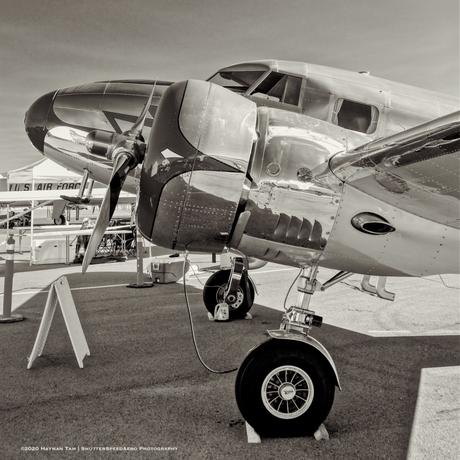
column 59, row 220
column 231, row 290
column 82, row 197
column 286, row 385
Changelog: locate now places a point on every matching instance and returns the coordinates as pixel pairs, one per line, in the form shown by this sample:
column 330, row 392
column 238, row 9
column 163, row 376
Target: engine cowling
column 194, row 175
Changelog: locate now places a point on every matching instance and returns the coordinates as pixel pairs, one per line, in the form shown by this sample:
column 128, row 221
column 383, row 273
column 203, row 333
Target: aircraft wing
column 24, row 198
column 67, row 230
column 417, row 170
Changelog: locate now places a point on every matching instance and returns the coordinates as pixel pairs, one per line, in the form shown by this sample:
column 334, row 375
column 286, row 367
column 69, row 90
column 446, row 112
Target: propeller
column 126, row 150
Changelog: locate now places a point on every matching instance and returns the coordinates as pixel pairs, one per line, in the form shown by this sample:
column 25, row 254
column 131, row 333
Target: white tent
column 3, row 182
column 43, row 175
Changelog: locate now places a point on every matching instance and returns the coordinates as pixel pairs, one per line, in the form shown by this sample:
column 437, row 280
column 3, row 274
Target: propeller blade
column 121, row 169
column 122, row 164
column 138, row 126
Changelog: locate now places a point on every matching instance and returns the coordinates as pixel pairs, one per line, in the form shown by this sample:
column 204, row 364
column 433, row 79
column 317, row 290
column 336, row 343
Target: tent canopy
column 43, row 171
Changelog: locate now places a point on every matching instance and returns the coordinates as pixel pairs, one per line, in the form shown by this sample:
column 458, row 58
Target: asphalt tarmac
column 142, row 386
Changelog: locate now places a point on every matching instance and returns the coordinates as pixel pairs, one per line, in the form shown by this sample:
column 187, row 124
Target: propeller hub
column 111, row 145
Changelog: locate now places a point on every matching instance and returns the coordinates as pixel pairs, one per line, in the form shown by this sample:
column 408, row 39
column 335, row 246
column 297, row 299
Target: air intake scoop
column 371, row 223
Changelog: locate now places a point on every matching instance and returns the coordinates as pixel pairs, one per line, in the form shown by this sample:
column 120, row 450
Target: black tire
column 253, row 380
column 214, row 289
column 60, row 220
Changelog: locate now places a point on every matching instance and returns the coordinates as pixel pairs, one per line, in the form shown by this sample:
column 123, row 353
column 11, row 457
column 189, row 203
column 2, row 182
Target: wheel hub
column 233, row 302
column 287, row 392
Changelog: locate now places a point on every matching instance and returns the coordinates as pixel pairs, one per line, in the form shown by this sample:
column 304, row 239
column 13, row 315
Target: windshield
column 279, row 87
column 237, row 80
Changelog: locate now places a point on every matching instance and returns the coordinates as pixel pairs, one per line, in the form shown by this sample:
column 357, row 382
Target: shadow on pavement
column 143, row 386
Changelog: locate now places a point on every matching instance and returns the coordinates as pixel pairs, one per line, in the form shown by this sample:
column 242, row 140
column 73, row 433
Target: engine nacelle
column 194, row 174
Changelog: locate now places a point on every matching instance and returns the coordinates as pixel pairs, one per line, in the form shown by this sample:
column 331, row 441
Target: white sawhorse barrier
column 59, row 293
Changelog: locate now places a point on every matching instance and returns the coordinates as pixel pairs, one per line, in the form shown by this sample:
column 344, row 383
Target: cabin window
column 238, row 80
column 316, row 103
column 279, row 87
column 355, row 116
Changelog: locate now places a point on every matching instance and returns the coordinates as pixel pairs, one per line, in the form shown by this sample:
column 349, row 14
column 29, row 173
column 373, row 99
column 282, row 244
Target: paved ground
column 143, row 386
column 437, row 415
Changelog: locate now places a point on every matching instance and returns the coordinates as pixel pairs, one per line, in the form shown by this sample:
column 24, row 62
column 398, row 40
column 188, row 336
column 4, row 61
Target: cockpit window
column 355, row 116
column 316, row 102
column 280, row 87
column 237, row 80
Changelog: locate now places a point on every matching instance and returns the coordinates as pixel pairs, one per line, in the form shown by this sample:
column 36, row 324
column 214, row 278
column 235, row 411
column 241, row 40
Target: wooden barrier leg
column 59, row 293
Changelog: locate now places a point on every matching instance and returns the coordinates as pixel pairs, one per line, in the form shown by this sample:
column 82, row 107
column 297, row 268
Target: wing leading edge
column 416, row 170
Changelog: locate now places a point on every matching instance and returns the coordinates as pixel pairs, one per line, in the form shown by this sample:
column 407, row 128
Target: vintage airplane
column 287, row 162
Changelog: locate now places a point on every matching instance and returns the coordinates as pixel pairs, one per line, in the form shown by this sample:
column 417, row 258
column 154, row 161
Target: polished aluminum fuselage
column 297, row 209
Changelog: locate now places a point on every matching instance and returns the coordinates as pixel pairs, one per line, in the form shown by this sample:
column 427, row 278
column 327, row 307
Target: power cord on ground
column 192, row 328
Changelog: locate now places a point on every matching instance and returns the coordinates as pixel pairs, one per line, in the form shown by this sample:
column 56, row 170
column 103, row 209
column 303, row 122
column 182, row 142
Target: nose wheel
column 239, row 300
column 284, row 389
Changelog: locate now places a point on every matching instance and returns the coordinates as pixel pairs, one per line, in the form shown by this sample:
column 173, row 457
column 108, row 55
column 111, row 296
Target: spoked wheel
column 214, row 289
column 284, row 388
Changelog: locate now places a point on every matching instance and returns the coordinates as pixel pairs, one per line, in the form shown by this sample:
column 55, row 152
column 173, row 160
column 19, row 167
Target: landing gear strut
column 232, row 287
column 286, row 385
column 81, row 197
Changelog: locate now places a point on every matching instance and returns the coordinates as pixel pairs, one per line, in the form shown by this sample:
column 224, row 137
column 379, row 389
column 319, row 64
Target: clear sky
column 50, row 44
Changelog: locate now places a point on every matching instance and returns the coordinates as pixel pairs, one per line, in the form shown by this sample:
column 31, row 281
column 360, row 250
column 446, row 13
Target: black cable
column 290, row 288
column 192, row 328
